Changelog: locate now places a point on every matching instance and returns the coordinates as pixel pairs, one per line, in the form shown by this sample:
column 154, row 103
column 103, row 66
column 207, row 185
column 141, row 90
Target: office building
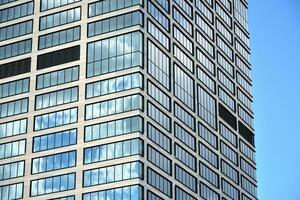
column 126, row 99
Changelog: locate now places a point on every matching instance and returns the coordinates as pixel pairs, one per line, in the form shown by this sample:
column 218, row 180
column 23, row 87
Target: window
column 65, row 198
column 205, row 10
column 16, row 30
column 241, row 13
column 11, row 108
column 240, row 33
column 114, row 106
column 159, row 160
column 158, row 95
column 208, row 155
column 183, row 58
column 229, row 135
column 225, row 17
column 113, row 173
column 12, row 149
column 15, row 49
column 159, row 138
column 114, row 54
column 225, row 47
column 113, row 128
column 53, row 162
column 205, row 27
column 183, row 22
column 132, row 192
column 152, row 196
column 106, row 6
column 10, row 192
column 158, row 35
column 180, row 194
column 117, row 84
column 247, row 151
column 159, row 182
column 209, row 2
column 16, row 12
column 13, row 128
column 184, row 116
column 245, row 116
column 206, row 79
column 52, row 184
column 165, row 4
column 14, row 87
column 244, row 83
column 160, row 117
column 158, row 65
column 208, row 135
column 242, row 50
column 185, row 157
column 207, row 107
column 59, row 77
column 205, row 44
column 209, row 175
column 58, row 57
column 184, row 87
column 60, row 18
column 59, row 37
column 249, row 186
column 185, row 137
column 12, row 170
column 248, row 168
column 230, row 190
column 246, row 101
column 183, row 40
column 56, row 98
column 115, row 23
column 229, row 118
column 207, row 193
column 50, row 4
column 229, row 153
column 205, row 61
column 246, row 133
column 243, row 67
column 15, row 68
column 244, row 197
column 55, row 119
column 55, row 140
column 185, row 178
column 113, row 151
column 224, row 31
column 225, row 81
column 227, row 4
column 185, row 7
column 226, row 98
column 158, row 16
column 225, row 64
column 2, row 2
column 229, row 171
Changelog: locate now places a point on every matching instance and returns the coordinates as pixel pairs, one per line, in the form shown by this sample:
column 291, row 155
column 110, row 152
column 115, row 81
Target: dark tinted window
column 246, row 133
column 58, row 57
column 15, row 68
column 227, row 116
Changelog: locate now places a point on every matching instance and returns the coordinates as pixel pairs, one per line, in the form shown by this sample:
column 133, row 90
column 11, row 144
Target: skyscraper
column 126, row 99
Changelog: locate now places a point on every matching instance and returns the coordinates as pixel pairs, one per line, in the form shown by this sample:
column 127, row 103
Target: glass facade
column 126, row 99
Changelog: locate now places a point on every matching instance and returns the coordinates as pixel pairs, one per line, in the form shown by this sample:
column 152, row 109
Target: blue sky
column 275, row 45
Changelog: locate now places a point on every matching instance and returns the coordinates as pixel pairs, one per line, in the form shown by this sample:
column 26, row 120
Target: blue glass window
column 114, row 54
column 55, row 140
column 54, row 162
column 58, row 118
column 52, row 184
